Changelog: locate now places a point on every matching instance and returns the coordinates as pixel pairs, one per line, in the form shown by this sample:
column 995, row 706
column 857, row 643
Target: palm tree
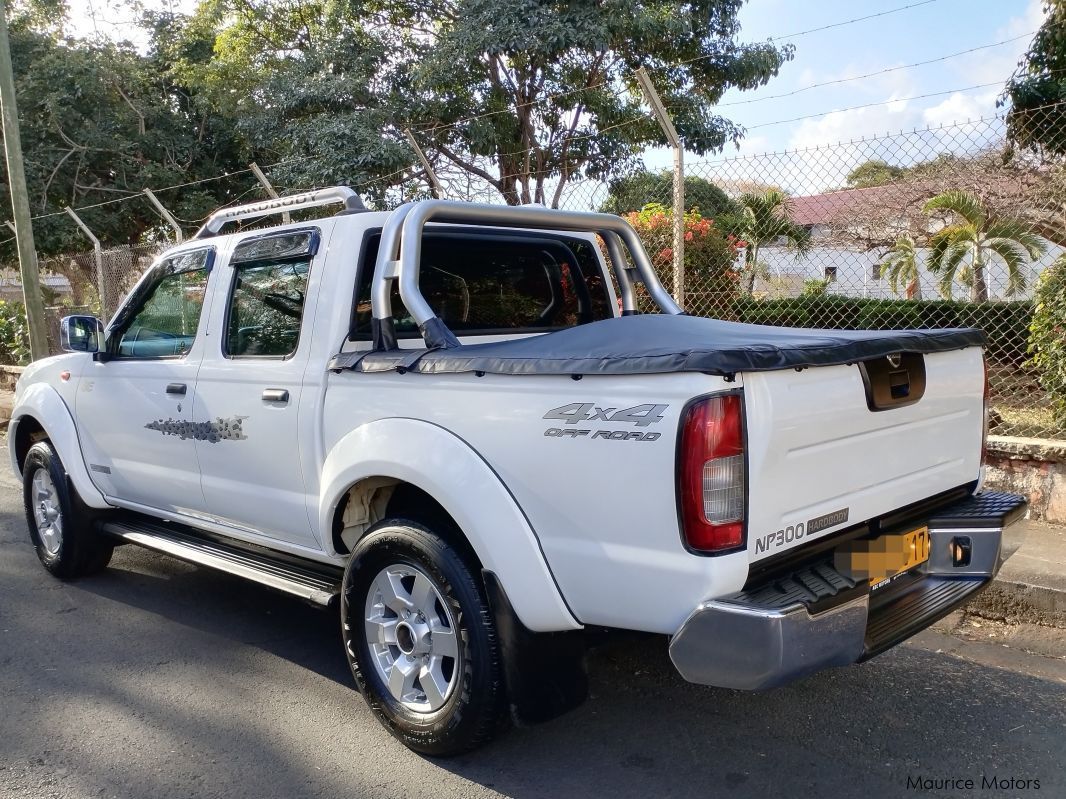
column 965, row 248
column 901, row 267
column 762, row 218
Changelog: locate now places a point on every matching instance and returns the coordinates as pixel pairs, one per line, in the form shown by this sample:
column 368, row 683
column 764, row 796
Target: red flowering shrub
column 712, row 272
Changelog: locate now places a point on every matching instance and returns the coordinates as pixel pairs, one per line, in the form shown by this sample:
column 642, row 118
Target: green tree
column 524, row 95
column 761, row 219
column 965, row 247
column 1037, row 89
column 874, row 172
column 900, row 266
column 100, row 122
column 633, row 192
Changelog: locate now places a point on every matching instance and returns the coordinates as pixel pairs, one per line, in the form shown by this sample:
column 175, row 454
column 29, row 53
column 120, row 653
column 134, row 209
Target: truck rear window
column 481, row 283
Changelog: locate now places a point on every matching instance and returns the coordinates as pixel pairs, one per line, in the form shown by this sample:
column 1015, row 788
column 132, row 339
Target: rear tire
column 421, row 640
column 61, row 526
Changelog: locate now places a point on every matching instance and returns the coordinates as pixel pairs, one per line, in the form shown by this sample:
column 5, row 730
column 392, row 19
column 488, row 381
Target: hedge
column 1005, row 323
column 1048, row 343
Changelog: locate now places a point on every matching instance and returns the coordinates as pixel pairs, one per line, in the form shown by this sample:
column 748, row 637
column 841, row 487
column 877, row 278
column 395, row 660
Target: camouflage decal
column 211, row 432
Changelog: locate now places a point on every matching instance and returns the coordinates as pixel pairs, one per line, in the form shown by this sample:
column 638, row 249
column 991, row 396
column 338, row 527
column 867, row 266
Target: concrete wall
column 1033, row 467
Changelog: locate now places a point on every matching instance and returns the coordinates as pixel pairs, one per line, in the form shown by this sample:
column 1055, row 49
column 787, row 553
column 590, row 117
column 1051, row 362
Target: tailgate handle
column 894, row 381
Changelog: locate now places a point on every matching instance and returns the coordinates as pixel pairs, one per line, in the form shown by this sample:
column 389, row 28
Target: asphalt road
column 159, row 679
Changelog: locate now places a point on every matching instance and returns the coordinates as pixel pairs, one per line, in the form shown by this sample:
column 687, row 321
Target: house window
column 875, row 271
column 830, row 274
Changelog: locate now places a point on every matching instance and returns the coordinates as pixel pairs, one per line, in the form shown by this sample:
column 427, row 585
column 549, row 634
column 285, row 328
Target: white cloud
column 997, row 64
column 960, row 107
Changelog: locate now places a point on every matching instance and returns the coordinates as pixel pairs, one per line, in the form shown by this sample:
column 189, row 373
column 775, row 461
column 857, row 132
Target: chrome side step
column 315, row 582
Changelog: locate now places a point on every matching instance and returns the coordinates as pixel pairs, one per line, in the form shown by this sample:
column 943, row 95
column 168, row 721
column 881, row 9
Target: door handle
column 275, row 395
column 176, row 388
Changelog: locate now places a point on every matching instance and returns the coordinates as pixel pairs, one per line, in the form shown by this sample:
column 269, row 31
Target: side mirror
column 81, row 334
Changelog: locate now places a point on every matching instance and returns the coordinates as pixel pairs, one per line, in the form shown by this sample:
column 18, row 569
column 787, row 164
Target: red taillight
column 711, row 477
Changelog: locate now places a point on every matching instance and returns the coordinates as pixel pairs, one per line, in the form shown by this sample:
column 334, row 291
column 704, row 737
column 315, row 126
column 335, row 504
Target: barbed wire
column 433, row 127
column 874, row 74
column 842, row 23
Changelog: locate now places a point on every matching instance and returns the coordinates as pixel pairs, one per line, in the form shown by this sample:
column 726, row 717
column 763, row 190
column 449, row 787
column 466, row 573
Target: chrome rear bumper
column 816, row 618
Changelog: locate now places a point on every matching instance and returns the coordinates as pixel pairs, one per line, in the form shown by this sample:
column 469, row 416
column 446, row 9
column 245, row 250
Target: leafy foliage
column 874, row 172
column 519, row 93
column 900, row 266
column 963, row 249
column 100, row 122
column 710, row 253
column 761, row 219
column 14, row 334
column 1036, row 90
column 815, row 287
column 633, row 192
column 1047, row 342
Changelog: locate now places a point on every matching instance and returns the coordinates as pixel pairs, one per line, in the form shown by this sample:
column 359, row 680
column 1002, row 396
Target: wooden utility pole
column 20, row 201
column 662, row 116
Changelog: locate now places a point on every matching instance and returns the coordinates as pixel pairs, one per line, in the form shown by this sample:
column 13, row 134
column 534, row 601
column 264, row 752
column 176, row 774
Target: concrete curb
column 1031, row 586
column 1014, row 602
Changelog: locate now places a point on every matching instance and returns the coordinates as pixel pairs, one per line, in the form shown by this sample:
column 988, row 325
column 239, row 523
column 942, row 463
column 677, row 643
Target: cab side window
column 266, row 304
column 165, row 315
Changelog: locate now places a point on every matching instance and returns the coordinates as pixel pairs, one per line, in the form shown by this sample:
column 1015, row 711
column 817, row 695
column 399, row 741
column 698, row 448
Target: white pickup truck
column 451, row 420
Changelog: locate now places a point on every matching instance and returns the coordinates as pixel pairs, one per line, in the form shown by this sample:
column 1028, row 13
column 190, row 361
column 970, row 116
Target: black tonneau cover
column 658, row 343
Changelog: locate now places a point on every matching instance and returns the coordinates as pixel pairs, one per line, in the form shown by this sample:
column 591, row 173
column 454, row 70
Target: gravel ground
column 159, row 679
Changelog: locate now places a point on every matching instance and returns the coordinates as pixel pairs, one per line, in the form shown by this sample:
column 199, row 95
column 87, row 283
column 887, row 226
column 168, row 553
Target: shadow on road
column 161, row 658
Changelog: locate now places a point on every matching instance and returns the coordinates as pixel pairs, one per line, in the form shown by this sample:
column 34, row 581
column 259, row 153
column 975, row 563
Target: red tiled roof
column 843, row 204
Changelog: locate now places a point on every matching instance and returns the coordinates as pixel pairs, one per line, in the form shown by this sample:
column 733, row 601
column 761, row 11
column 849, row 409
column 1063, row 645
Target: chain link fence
column 939, row 227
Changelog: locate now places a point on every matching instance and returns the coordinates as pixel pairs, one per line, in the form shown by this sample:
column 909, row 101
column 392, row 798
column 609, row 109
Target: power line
column 884, row 71
column 432, row 127
column 842, row 23
column 872, row 105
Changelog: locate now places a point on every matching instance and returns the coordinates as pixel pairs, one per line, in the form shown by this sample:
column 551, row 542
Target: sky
column 847, row 52
column 927, row 30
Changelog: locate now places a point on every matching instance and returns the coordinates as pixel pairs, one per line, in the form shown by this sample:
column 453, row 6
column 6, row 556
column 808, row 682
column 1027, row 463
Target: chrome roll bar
column 294, row 202
column 400, row 251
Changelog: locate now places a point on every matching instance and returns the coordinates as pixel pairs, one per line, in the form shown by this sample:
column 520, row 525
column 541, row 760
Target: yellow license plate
column 884, row 557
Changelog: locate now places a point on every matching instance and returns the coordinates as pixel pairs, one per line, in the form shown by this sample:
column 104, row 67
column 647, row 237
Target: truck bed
column 661, row 343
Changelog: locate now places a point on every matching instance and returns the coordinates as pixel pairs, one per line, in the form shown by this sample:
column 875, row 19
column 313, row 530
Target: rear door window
column 485, row 284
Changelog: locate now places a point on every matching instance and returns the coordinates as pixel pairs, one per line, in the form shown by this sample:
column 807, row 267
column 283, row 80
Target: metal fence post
column 667, row 124
column 434, row 184
column 163, row 212
column 98, row 256
column 269, row 188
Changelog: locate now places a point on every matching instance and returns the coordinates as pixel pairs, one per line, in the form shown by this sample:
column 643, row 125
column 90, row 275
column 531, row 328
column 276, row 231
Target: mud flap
column 545, row 672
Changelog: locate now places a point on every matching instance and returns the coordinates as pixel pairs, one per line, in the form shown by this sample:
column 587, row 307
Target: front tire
column 421, row 640
column 61, row 526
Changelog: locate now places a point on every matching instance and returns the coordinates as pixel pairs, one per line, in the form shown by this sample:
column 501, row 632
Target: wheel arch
column 41, row 413
column 424, row 468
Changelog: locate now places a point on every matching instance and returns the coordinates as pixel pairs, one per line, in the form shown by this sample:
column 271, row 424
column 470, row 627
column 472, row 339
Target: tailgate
column 820, row 460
